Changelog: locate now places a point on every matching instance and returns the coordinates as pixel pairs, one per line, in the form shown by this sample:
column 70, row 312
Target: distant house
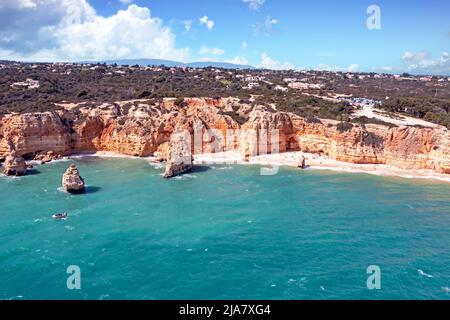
column 281, row 88
column 290, row 80
column 359, row 102
column 29, row 84
column 426, row 79
column 251, row 85
column 305, row 86
column 250, row 78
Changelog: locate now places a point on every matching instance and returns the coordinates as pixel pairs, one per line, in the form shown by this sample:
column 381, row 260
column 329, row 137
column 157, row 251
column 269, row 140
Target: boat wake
column 424, row 274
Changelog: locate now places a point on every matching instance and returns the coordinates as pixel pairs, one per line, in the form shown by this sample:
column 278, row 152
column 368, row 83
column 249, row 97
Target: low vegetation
column 95, row 84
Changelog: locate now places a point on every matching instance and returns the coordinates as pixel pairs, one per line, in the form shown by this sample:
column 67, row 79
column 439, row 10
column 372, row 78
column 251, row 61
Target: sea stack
column 14, row 165
column 72, row 181
column 180, row 159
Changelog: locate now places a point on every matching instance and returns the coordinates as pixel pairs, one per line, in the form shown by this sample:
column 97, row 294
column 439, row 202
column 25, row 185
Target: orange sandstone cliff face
column 146, row 129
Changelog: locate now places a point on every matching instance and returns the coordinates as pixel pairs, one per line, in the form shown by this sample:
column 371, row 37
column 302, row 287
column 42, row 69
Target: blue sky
column 320, row 34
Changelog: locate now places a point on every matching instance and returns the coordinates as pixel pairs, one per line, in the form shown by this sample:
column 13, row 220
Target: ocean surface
column 222, row 232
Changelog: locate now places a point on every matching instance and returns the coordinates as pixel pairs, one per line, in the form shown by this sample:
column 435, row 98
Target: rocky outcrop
column 72, row 182
column 180, row 159
column 32, row 133
column 14, row 165
column 143, row 128
column 45, row 157
column 266, row 132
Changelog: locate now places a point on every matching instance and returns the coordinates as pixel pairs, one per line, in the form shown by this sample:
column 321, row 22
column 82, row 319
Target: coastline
column 316, row 162
column 290, row 159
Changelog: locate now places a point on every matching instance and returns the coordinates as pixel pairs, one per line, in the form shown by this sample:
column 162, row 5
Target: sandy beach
column 317, row 162
column 313, row 161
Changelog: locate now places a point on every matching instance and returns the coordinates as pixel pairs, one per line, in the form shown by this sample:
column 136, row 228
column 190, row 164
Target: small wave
column 292, row 280
column 36, row 163
column 70, row 228
column 185, row 177
column 61, row 189
column 424, row 274
column 446, row 289
column 156, row 165
column 37, row 220
column 107, row 155
column 10, row 178
column 221, row 167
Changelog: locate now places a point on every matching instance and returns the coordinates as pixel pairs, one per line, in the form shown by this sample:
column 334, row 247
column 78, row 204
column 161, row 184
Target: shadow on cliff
column 92, row 189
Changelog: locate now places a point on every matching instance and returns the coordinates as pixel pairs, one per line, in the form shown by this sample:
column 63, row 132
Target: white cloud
column 270, row 22
column 269, row 63
column 238, row 60
column 17, row 4
column 327, row 67
column 187, row 25
column 126, row 1
column 387, row 68
column 407, row 56
column 422, row 63
column 415, row 57
column 244, row 45
column 353, row 68
column 207, row 22
column 211, row 51
column 266, row 27
column 254, row 4
column 28, row 26
column 60, row 30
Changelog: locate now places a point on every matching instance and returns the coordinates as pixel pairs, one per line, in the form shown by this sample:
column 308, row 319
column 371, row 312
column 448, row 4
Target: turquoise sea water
column 222, row 233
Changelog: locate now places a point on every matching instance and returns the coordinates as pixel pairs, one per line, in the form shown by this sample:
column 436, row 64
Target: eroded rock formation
column 180, row 159
column 143, row 128
column 72, row 182
column 14, row 165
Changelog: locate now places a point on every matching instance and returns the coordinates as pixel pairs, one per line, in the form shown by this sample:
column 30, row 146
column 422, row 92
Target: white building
column 281, row 88
column 29, row 84
column 305, row 86
column 252, row 85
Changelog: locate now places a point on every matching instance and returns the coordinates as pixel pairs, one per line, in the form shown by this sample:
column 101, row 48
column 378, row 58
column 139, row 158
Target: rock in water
column 180, row 159
column 72, row 181
column 45, row 157
column 302, row 162
column 14, row 165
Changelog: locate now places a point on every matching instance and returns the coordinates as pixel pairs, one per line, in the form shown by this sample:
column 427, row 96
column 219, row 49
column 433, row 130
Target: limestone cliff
column 142, row 128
